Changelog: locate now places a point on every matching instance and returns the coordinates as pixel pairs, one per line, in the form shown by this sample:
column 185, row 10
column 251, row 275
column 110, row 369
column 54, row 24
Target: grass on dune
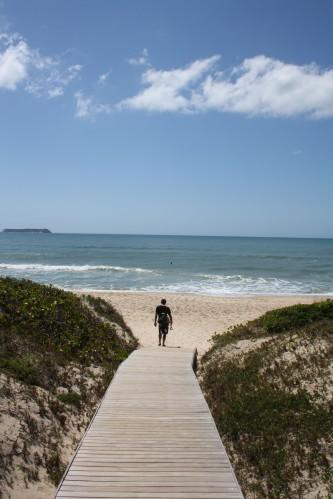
column 58, row 354
column 39, row 322
column 272, row 402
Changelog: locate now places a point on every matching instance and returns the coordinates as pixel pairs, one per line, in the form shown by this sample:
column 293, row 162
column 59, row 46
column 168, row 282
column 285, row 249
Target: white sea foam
column 114, row 278
column 38, row 267
column 240, row 285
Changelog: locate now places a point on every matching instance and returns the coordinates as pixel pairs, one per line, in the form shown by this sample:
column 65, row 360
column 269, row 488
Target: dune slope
column 269, row 384
column 58, row 353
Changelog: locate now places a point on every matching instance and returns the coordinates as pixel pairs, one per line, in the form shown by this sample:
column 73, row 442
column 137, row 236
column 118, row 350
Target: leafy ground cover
column 58, row 354
column 269, row 384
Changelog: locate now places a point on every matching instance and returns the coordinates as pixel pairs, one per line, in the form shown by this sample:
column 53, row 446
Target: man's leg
column 165, row 332
column 159, row 335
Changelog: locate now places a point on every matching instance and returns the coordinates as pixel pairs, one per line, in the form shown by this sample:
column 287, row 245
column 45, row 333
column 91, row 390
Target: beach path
column 153, row 436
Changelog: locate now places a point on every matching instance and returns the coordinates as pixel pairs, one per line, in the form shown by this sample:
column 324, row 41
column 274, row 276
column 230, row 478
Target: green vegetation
column 21, row 368
column 71, row 398
column 106, row 310
column 54, row 321
column 58, row 354
column 269, row 386
column 288, row 318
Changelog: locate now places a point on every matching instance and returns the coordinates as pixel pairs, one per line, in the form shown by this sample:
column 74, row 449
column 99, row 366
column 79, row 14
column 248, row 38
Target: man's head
column 163, row 301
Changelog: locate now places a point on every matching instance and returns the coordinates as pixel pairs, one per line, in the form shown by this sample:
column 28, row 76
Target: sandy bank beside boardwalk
column 196, row 317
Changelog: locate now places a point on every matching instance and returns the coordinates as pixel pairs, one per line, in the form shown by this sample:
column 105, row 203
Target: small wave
column 219, row 277
column 38, row 267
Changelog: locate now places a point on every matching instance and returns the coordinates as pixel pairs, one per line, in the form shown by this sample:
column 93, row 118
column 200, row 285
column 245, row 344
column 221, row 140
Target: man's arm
column 170, row 317
column 155, row 320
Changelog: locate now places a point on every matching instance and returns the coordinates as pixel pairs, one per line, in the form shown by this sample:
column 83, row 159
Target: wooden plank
column 151, row 479
column 152, row 437
column 150, row 495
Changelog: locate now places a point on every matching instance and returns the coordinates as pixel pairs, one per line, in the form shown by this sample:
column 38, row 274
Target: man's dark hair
column 163, row 301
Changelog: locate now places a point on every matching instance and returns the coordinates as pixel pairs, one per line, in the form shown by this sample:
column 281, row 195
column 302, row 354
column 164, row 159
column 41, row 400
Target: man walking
column 164, row 318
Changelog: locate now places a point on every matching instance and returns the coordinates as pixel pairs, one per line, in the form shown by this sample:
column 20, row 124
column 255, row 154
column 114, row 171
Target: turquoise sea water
column 209, row 265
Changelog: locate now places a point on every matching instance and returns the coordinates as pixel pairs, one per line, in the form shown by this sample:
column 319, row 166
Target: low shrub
column 296, row 316
column 70, row 398
column 23, row 369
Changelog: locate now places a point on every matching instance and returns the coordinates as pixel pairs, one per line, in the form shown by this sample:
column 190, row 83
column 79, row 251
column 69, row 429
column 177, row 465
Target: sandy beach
column 196, row 317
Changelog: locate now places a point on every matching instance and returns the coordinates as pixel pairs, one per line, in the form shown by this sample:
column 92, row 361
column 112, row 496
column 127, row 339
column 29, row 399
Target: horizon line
column 178, row 235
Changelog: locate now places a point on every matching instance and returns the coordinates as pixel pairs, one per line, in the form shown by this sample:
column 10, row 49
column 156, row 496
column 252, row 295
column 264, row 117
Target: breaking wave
column 39, row 267
column 242, row 285
column 113, row 277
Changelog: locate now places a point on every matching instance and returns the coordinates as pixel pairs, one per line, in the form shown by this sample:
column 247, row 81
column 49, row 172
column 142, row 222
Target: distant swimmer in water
column 164, row 318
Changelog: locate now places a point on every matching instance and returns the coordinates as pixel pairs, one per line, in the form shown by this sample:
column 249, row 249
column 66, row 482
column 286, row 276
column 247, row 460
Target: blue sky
column 167, row 117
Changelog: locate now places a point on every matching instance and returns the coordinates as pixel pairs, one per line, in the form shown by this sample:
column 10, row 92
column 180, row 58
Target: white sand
column 196, row 317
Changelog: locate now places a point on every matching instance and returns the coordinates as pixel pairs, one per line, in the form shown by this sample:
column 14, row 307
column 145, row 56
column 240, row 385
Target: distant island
column 44, row 231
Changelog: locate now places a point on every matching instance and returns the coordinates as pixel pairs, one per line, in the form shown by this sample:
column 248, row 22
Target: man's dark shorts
column 163, row 328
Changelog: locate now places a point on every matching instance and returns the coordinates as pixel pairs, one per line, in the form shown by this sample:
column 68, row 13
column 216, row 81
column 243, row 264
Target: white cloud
column 258, row 86
column 14, row 62
column 86, row 107
column 55, row 92
column 167, row 90
column 102, row 79
column 83, row 105
column 266, row 86
column 40, row 75
column 142, row 60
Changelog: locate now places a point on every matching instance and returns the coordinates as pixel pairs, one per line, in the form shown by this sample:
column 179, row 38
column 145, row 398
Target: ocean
column 191, row 264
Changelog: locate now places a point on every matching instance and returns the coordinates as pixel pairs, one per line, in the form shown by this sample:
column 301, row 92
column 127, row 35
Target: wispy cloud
column 168, row 90
column 102, row 79
column 87, row 107
column 142, row 60
column 258, row 86
column 24, row 66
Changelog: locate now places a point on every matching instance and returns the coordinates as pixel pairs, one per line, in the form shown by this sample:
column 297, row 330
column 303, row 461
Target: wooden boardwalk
column 152, row 437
